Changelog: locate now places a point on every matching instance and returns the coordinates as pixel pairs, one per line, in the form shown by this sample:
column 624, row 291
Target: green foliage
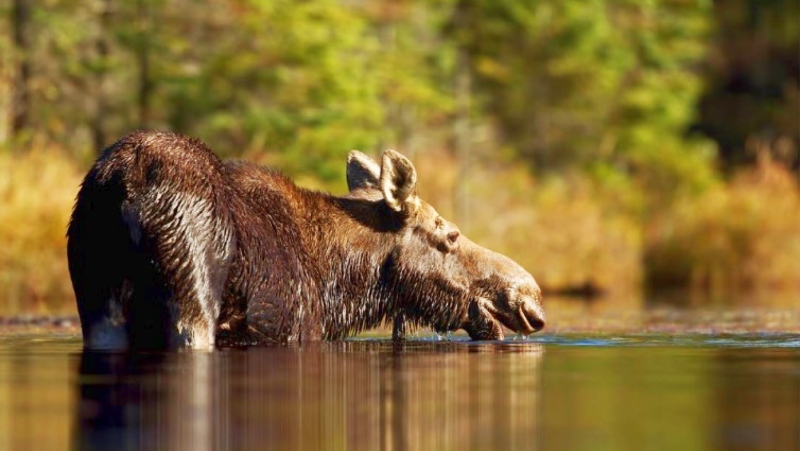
column 607, row 86
column 303, row 81
column 310, row 96
column 753, row 82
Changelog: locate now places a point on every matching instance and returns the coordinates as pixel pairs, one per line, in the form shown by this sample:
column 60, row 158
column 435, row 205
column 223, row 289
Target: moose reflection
column 170, row 246
column 344, row 395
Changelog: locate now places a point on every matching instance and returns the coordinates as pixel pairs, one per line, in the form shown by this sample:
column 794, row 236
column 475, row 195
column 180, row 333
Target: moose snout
column 532, row 315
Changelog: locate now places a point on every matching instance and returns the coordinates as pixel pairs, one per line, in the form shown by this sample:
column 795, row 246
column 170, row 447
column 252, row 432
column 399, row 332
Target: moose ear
column 398, row 180
column 362, row 171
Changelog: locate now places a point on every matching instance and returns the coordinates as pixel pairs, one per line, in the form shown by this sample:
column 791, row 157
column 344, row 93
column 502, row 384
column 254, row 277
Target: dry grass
column 741, row 236
column 37, row 190
column 560, row 230
column 563, row 233
column 738, row 237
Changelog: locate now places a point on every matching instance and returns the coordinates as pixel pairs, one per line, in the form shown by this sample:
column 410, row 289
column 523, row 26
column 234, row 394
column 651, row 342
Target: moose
column 170, row 246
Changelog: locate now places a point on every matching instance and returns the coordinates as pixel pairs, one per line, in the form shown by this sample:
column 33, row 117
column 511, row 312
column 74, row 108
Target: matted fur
column 170, row 246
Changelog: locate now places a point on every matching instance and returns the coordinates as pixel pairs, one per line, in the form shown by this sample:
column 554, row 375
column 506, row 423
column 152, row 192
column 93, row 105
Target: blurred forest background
column 607, row 145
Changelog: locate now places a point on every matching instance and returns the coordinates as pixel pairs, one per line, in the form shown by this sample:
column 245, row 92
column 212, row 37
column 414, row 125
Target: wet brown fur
column 170, row 246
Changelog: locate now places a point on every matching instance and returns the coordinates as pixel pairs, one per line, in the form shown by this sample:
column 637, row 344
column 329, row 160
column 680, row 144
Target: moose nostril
column 534, row 315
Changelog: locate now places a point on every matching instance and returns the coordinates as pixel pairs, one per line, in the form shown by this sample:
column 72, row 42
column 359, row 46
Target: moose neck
column 351, row 245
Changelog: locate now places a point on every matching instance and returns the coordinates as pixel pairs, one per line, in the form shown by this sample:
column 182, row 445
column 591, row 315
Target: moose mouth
column 486, row 320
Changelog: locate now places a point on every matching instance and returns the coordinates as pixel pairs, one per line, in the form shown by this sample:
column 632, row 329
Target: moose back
column 170, row 246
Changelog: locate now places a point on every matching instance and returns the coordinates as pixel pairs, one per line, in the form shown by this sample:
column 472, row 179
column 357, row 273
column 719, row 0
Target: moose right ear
column 398, row 182
column 362, row 171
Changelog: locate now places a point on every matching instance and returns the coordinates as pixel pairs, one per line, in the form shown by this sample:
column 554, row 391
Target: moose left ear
column 398, row 181
column 362, row 171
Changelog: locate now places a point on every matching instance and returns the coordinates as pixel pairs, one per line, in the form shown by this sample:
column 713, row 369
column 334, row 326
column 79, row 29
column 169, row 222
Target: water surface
column 556, row 391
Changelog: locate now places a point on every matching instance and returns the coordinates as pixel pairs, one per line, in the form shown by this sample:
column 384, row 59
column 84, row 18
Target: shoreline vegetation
column 735, row 237
column 37, row 189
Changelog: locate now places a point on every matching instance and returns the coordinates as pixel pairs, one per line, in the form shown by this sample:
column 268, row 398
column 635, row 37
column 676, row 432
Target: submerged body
column 170, row 246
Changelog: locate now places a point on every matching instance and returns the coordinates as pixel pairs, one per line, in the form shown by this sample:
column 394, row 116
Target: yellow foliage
column 37, row 190
column 577, row 238
column 561, row 230
column 742, row 235
column 565, row 231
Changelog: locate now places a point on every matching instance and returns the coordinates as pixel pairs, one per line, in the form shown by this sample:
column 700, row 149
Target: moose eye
column 452, row 237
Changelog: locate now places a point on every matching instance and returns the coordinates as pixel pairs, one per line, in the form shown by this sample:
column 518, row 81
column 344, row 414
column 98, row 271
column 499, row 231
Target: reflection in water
column 758, row 410
column 350, row 395
column 598, row 392
column 692, row 396
column 130, row 401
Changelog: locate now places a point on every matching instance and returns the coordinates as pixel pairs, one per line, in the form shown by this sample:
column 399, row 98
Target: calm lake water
column 651, row 391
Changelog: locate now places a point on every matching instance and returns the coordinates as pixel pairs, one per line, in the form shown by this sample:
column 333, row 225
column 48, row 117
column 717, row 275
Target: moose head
column 436, row 275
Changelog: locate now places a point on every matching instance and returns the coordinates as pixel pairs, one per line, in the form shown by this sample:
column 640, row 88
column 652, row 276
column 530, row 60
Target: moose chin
column 169, row 246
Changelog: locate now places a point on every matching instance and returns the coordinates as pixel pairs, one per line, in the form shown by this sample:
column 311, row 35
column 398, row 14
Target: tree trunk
column 99, row 136
column 20, row 104
column 462, row 130
column 143, row 64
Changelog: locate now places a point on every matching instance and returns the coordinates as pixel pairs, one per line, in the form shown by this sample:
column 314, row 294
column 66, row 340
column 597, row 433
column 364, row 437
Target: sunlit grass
column 37, row 190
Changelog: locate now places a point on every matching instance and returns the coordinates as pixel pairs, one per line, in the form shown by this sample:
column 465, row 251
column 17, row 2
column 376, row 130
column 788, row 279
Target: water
column 556, row 391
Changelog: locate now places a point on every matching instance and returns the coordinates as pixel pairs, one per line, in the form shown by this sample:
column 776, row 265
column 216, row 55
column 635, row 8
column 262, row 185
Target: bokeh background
column 629, row 151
